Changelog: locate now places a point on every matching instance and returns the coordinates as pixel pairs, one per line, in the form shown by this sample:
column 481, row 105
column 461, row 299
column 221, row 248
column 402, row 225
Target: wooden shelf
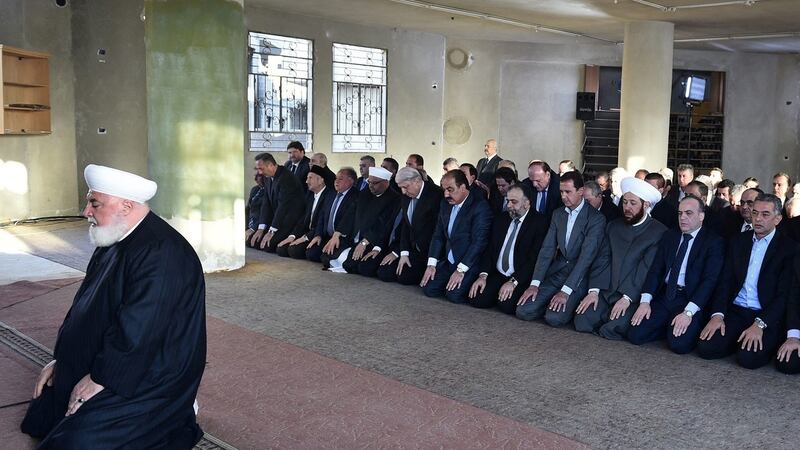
column 25, row 95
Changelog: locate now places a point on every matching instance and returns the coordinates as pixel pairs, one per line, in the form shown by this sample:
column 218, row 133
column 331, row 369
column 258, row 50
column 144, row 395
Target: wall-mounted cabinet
column 26, row 91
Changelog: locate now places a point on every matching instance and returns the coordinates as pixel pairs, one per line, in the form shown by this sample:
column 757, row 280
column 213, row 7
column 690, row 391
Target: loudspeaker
column 585, row 107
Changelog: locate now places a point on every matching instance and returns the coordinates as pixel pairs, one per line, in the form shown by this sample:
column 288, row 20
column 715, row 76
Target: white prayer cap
column 119, row 183
column 380, row 172
column 641, row 189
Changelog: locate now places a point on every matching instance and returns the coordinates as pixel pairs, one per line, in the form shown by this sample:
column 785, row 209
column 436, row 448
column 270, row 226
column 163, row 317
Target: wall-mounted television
column 695, row 89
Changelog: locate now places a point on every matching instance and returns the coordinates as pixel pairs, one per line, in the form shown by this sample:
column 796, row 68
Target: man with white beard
column 131, row 351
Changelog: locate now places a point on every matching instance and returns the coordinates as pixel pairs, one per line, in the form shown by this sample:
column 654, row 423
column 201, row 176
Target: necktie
column 506, row 263
column 453, row 215
column 747, row 227
column 411, row 205
column 294, row 168
column 334, row 209
column 542, row 201
column 674, row 271
column 363, row 185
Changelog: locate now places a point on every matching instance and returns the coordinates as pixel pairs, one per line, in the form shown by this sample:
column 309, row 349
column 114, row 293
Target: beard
column 636, row 217
column 107, row 235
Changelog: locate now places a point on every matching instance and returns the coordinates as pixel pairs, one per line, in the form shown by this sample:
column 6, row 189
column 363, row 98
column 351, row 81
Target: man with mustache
column 131, row 351
column 621, row 267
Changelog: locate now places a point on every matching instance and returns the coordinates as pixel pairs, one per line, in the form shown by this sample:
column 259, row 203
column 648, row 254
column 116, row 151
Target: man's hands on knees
column 430, row 272
column 591, row 299
column 455, row 280
column 751, row 338
column 559, row 302
column 478, row 286
column 792, row 345
column 714, row 324
column 680, row 324
column 45, row 377
column 642, row 313
column 619, row 309
column 81, row 393
column 529, row 294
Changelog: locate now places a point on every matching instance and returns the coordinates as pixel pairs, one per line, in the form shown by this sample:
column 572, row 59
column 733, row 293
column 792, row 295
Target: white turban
column 380, row 172
column 641, row 189
column 119, row 183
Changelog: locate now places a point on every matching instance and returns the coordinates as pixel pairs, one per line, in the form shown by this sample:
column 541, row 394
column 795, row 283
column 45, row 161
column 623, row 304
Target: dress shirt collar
column 316, row 196
column 459, row 205
column 767, row 238
column 522, row 219
column 419, row 194
column 577, row 209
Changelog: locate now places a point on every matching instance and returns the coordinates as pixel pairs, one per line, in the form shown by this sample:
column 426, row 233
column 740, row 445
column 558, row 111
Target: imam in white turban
column 119, row 183
column 380, row 172
column 641, row 189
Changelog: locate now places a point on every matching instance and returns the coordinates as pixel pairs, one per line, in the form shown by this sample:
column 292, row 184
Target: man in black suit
column 298, row 163
column 593, row 194
column 376, row 210
column 788, row 360
column 504, row 178
column 680, row 282
column 461, row 235
column 487, row 166
column 685, row 176
column 318, row 194
column 545, row 184
column 712, row 221
column 664, row 212
column 364, row 164
column 740, row 221
column 750, row 305
column 321, row 160
column 254, row 202
column 722, row 196
column 419, row 210
column 476, row 186
column 507, row 265
column 335, row 223
column 282, row 206
column 560, row 279
column 392, row 166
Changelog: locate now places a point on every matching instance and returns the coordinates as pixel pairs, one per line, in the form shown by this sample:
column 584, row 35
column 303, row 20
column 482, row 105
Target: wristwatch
column 458, row 269
column 513, row 281
column 688, row 313
column 364, row 242
column 760, row 323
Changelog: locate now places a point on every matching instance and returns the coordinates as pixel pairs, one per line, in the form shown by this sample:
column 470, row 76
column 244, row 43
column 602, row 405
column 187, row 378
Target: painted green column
column 195, row 55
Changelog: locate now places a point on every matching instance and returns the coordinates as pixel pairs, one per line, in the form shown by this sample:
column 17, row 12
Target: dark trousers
column 488, row 298
column 411, row 275
column 315, row 252
column 658, row 326
column 791, row 367
column 599, row 320
column 276, row 238
column 551, row 285
column 737, row 320
column 437, row 287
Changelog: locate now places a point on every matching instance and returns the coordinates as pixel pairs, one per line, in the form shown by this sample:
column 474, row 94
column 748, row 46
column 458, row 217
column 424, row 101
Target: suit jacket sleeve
column 267, row 213
column 479, row 232
column 793, row 306
column 438, row 239
column 547, row 253
column 493, row 249
column 300, row 227
column 774, row 312
column 632, row 287
column 711, row 271
column 591, row 245
column 657, row 270
column 726, row 285
column 288, row 196
column 347, row 215
column 600, row 271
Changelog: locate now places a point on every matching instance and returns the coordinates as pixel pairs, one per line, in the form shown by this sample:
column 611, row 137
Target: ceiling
column 599, row 21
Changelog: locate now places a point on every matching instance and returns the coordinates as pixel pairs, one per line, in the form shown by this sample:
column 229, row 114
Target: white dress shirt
column 691, row 306
column 572, row 215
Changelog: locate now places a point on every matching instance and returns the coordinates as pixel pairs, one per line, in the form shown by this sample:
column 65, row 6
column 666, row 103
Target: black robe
column 137, row 325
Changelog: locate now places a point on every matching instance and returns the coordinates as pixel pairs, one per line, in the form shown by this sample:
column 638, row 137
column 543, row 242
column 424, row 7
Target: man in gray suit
column 621, row 268
column 560, row 279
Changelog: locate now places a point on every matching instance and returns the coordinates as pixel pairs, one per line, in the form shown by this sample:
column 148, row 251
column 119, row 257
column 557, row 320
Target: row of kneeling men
column 630, row 278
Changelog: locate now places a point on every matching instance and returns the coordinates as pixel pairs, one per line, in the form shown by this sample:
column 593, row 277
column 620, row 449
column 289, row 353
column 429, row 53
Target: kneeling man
column 132, row 348
column 620, row 270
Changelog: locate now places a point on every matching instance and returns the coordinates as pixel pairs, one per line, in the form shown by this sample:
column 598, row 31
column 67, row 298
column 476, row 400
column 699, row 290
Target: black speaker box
column 585, row 107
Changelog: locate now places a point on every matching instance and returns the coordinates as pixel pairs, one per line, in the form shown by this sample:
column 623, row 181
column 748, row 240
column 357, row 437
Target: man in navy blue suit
column 749, row 309
column 462, row 232
column 680, row 282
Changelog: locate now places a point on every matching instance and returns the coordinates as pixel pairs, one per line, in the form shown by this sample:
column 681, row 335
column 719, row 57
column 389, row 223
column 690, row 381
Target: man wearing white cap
column 131, row 351
column 618, row 273
column 376, row 209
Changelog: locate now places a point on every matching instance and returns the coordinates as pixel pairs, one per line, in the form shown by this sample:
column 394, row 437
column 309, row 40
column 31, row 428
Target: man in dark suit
column 573, row 240
column 664, row 211
column 462, row 231
column 712, row 221
column 298, row 163
column 364, row 164
column 376, row 210
column 593, row 195
column 504, row 178
column 788, row 360
column 318, row 194
column 740, row 221
column 487, row 166
column 321, row 160
column 722, row 196
column 619, row 271
column 419, row 211
column 282, row 206
column 680, row 282
column 545, row 183
column 685, row 176
column 336, row 219
column 750, row 305
column 507, row 265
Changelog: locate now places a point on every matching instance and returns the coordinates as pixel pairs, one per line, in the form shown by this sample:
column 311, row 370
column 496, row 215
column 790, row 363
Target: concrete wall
column 523, row 94
column 415, row 63
column 109, row 94
column 37, row 173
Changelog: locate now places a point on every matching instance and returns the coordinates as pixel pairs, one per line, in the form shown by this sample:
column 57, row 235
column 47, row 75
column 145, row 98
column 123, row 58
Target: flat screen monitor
column 695, row 89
